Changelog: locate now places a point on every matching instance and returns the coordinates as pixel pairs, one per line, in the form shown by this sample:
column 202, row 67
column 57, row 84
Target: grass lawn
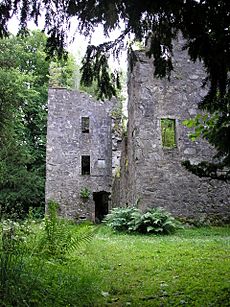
column 189, row 268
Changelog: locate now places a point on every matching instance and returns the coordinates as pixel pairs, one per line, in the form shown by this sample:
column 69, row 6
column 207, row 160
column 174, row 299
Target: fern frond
column 81, row 237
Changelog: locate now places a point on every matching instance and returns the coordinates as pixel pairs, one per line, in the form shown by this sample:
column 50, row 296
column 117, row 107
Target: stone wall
column 152, row 173
column 149, row 173
column 66, row 144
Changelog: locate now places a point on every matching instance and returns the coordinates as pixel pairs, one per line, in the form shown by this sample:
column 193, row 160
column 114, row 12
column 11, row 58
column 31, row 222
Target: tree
column 24, row 80
column 205, row 25
column 62, row 72
column 23, row 87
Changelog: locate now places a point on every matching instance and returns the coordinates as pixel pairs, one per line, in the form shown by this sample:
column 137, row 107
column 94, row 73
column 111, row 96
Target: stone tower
column 79, row 154
column 151, row 170
column 81, row 150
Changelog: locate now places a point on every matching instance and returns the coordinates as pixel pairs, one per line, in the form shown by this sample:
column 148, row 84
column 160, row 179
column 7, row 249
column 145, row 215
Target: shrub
column 16, row 279
column 85, row 193
column 122, row 219
column 31, row 273
column 131, row 219
column 159, row 221
column 60, row 236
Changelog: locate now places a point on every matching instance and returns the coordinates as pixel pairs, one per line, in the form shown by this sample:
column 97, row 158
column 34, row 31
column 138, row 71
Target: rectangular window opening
column 85, row 165
column 101, row 163
column 85, row 124
column 168, row 132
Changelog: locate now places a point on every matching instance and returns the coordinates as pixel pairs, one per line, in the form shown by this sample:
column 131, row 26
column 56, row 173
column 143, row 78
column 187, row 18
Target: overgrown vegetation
column 85, row 193
column 190, row 267
column 157, row 22
column 131, row 219
column 168, row 133
column 24, row 81
column 40, row 262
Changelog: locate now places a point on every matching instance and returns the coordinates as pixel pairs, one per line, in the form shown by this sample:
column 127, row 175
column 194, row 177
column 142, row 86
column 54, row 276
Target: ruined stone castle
column 83, row 150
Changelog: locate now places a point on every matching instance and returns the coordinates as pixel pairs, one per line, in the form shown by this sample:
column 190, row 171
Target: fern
column 158, row 220
column 131, row 219
column 82, row 234
column 122, row 219
column 61, row 237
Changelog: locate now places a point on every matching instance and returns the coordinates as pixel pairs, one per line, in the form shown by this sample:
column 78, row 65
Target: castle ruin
column 80, row 148
column 79, row 154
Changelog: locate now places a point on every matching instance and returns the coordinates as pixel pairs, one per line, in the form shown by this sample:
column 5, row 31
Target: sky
column 77, row 43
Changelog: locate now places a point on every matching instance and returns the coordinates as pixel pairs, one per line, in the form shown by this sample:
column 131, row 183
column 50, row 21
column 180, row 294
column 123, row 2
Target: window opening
column 85, row 124
column 101, row 163
column 85, row 165
column 168, row 132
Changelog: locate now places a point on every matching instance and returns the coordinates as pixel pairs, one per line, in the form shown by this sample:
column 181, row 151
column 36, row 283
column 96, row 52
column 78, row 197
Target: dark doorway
column 101, row 200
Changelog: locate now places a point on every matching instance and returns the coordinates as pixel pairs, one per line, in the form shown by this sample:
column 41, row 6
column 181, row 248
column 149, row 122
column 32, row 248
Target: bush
column 131, row 219
column 158, row 220
column 85, row 193
column 60, row 236
column 16, row 280
column 39, row 265
column 122, row 219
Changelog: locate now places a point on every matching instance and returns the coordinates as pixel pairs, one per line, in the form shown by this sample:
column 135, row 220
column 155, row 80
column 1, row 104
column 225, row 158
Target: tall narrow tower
column 79, row 154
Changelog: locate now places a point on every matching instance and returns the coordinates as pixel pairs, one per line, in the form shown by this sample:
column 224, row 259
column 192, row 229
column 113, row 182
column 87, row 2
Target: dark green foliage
column 34, row 270
column 60, row 238
column 204, row 25
column 131, row 219
column 207, row 169
column 95, row 68
column 23, row 97
column 120, row 218
column 215, row 128
column 24, row 80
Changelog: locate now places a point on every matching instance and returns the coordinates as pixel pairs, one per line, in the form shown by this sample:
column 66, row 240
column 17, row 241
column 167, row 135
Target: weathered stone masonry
column 67, row 143
column 153, row 174
column 149, row 172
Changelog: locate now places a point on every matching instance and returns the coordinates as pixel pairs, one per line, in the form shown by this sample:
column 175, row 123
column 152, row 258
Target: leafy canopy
column 205, row 25
column 23, row 97
column 24, row 80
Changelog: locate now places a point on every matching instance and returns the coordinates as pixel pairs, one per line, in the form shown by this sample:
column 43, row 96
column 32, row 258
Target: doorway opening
column 101, row 200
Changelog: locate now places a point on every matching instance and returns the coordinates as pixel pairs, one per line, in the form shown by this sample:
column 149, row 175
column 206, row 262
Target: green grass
column 189, row 268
